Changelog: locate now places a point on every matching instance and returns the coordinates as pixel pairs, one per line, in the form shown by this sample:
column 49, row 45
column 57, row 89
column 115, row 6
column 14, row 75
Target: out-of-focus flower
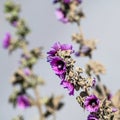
column 114, row 109
column 92, row 117
column 7, row 40
column 58, row 65
column 15, row 23
column 66, row 1
column 93, row 82
column 79, row 1
column 27, row 71
column 85, row 49
column 55, row 1
column 69, row 86
column 91, row 103
column 23, row 102
column 109, row 96
column 60, row 15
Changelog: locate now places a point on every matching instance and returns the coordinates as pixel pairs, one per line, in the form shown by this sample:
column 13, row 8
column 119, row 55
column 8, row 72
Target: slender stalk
column 38, row 104
column 54, row 116
column 37, row 94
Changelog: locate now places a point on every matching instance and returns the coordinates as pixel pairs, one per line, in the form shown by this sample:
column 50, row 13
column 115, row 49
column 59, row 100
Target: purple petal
column 58, row 65
column 92, row 117
column 7, row 40
column 91, row 103
column 61, row 16
column 69, row 86
column 23, row 101
column 27, row 71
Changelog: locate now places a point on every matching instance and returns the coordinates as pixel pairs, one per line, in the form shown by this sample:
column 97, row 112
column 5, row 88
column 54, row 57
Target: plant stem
column 54, row 116
column 38, row 104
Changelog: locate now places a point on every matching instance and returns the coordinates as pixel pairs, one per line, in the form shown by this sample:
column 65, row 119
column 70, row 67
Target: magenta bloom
column 7, row 40
column 58, row 65
column 67, row 1
column 91, row 103
column 92, row 117
column 79, row 1
column 23, row 102
column 55, row 1
column 114, row 109
column 69, row 86
column 15, row 23
column 93, row 82
column 60, row 15
column 85, row 49
column 27, row 71
column 56, row 47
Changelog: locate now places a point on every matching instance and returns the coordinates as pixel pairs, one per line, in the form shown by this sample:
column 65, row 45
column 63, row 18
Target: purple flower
column 15, row 23
column 92, row 117
column 93, row 82
column 114, row 109
column 56, row 47
column 56, row 1
column 66, row 1
column 85, row 49
column 91, row 103
column 23, row 102
column 27, row 71
column 61, row 16
column 77, row 54
column 7, row 40
column 109, row 96
column 79, row 1
column 69, row 86
column 58, row 65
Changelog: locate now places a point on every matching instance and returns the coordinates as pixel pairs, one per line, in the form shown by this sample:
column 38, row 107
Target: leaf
column 83, row 94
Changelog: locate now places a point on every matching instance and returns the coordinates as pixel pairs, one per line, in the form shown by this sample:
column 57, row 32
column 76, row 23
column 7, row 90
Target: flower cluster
column 12, row 11
column 62, row 64
column 99, row 102
column 59, row 56
column 68, row 11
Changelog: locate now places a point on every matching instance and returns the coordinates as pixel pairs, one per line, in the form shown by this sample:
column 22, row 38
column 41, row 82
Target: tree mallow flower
column 58, row 65
column 91, row 103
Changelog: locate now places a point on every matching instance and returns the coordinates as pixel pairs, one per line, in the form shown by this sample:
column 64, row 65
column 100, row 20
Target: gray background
column 102, row 22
